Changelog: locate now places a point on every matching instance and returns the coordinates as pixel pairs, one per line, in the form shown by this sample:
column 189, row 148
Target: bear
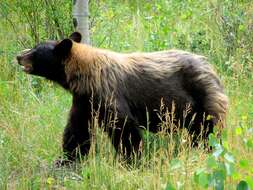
column 131, row 88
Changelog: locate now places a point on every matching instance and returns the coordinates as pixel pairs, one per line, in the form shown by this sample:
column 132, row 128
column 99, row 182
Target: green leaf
column 50, row 180
column 229, row 168
column 249, row 180
column 219, row 150
column 183, row 16
column 212, row 140
column 203, row 180
column 217, row 179
column 242, row 185
column 241, row 27
column 225, row 144
column 169, row 186
column 211, row 162
column 238, row 130
column 224, row 135
column 229, row 157
column 249, row 143
column 197, row 173
column 175, row 164
column 244, row 163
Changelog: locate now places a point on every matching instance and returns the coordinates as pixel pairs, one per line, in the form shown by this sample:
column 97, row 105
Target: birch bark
column 81, row 19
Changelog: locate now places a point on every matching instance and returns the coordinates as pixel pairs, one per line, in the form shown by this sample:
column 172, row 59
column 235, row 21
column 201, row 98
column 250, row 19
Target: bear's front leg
column 76, row 137
column 127, row 134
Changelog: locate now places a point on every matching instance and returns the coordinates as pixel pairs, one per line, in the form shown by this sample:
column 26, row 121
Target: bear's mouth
column 26, row 67
column 23, row 60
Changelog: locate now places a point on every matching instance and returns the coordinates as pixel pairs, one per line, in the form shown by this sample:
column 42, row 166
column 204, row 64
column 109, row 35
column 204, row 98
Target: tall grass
column 33, row 112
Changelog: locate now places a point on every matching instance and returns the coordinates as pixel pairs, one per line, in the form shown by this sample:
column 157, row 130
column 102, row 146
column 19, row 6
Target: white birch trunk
column 81, row 19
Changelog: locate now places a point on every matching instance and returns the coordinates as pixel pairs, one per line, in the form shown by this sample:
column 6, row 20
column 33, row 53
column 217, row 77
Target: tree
column 81, row 19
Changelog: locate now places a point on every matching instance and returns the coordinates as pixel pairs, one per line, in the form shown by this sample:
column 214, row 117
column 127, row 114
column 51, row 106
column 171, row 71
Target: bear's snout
column 23, row 55
column 24, row 60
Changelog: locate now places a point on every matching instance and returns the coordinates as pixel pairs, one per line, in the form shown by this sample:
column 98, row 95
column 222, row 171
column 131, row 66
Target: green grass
column 33, row 112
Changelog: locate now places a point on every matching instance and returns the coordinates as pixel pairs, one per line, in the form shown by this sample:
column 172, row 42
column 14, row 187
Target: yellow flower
column 50, row 180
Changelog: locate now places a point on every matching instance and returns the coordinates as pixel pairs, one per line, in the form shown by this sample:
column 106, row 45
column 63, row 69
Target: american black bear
column 131, row 87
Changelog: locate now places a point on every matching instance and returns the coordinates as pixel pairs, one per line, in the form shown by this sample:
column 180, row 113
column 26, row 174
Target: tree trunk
column 81, row 19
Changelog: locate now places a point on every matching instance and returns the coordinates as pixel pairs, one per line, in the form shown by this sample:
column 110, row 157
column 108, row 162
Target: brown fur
column 86, row 64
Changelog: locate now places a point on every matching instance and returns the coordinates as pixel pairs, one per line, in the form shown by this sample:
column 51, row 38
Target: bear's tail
column 207, row 91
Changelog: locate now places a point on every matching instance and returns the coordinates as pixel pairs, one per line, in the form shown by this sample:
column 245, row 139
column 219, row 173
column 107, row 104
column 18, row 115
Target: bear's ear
column 76, row 36
column 63, row 48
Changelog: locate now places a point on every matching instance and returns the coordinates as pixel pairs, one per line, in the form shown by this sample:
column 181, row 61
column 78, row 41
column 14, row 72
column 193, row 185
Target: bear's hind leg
column 200, row 129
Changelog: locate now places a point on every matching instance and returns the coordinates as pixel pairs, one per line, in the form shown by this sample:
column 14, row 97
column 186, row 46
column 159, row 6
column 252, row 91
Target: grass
column 33, row 112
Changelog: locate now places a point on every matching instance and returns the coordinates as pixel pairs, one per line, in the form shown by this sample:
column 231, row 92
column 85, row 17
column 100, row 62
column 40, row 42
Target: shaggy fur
column 130, row 88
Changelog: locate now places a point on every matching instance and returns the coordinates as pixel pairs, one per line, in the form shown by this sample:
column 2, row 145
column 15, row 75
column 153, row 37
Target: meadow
column 33, row 111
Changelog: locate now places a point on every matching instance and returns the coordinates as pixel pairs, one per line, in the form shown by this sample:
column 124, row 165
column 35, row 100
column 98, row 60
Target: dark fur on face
column 46, row 59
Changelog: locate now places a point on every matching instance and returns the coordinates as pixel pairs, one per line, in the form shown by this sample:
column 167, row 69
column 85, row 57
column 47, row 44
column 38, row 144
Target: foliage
column 33, row 112
column 33, row 21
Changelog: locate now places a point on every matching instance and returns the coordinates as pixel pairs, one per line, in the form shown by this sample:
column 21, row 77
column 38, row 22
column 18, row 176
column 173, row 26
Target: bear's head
column 46, row 59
